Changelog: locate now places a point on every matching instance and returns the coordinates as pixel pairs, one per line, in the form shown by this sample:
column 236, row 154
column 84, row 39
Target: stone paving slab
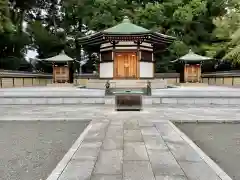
column 198, row 170
column 154, row 142
column 87, row 151
column 163, row 163
column 113, row 143
column 109, row 162
column 167, row 177
column 106, row 177
column 78, row 169
column 137, row 170
column 133, row 135
column 135, row 151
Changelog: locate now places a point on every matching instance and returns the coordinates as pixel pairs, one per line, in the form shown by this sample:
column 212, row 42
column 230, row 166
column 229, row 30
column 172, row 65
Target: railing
column 225, row 78
column 9, row 79
column 9, row 73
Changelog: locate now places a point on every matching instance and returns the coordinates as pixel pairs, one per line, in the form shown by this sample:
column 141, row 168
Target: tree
column 53, row 25
column 233, row 53
column 232, row 24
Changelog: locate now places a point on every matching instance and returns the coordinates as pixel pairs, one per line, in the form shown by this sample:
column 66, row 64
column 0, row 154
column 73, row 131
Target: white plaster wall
column 105, row 45
column 107, row 49
column 147, row 49
column 146, row 70
column 106, row 70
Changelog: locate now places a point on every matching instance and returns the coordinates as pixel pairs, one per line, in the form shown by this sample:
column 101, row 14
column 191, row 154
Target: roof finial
column 126, row 19
column 190, row 50
column 63, row 52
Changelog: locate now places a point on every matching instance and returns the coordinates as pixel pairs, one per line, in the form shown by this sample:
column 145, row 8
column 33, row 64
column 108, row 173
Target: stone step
column 60, row 85
column 147, row 100
column 128, row 83
column 100, row 84
column 193, row 84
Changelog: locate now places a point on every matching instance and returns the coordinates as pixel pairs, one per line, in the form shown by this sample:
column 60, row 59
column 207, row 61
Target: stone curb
column 46, row 119
column 55, row 174
column 208, row 121
column 208, row 161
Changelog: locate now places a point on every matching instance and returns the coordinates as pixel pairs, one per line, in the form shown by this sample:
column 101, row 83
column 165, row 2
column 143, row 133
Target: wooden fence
column 230, row 78
column 9, row 79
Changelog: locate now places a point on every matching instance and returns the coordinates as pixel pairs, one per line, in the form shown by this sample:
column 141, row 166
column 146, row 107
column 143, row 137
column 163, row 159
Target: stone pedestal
column 128, row 102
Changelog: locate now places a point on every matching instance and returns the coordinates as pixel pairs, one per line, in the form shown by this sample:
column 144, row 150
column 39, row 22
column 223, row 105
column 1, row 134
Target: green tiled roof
column 126, row 27
column 62, row 57
column 191, row 56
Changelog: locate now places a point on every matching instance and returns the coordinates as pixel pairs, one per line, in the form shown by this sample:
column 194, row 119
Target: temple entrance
column 60, row 74
column 192, row 73
column 125, row 65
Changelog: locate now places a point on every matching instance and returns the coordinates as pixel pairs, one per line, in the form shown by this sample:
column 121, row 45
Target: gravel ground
column 31, row 150
column 221, row 142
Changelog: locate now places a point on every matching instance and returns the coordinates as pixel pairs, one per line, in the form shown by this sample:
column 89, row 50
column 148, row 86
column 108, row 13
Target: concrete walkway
column 130, row 145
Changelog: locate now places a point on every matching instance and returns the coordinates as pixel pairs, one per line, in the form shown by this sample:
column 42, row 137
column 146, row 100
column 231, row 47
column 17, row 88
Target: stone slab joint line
column 171, row 151
column 101, row 148
column 147, row 149
column 221, row 174
column 56, row 173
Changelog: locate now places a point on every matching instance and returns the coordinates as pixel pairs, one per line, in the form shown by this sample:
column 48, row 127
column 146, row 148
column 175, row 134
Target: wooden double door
column 192, row 73
column 61, row 74
column 126, row 65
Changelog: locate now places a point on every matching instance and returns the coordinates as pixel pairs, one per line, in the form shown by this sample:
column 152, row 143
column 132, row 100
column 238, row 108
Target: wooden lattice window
column 146, row 56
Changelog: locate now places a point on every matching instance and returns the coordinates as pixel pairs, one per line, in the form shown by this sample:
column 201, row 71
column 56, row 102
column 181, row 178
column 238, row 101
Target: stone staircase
column 100, row 84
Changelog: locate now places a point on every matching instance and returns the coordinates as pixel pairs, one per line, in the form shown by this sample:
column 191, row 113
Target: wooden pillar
column 113, row 58
column 138, row 59
column 186, row 72
column 198, row 73
column 53, row 73
column 68, row 73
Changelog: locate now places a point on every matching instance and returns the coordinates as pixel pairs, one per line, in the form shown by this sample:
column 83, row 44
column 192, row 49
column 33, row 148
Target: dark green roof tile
column 191, row 56
column 126, row 27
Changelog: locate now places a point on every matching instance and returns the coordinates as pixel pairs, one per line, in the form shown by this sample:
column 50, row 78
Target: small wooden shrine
column 126, row 50
column 191, row 71
column 62, row 71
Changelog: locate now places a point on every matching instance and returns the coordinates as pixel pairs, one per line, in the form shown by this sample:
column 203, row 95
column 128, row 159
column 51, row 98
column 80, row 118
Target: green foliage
column 6, row 25
column 46, row 43
column 202, row 25
column 232, row 24
column 233, row 47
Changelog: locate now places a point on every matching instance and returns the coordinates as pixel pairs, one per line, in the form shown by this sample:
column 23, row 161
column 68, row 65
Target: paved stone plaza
column 130, row 145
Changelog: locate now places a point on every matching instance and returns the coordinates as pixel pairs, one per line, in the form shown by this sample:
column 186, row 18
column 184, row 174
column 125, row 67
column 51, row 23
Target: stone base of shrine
column 60, row 85
column 189, row 84
column 73, row 95
column 146, row 101
column 100, row 84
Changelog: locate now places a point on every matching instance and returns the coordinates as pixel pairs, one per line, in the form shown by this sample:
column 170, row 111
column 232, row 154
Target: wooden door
column 192, row 73
column 125, row 66
column 61, row 74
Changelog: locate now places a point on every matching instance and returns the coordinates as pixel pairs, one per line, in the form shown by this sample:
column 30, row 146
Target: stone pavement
column 175, row 112
column 130, row 145
column 135, row 150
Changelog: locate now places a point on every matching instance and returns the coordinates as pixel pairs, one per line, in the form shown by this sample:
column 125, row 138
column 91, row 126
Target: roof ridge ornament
column 126, row 20
column 63, row 52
